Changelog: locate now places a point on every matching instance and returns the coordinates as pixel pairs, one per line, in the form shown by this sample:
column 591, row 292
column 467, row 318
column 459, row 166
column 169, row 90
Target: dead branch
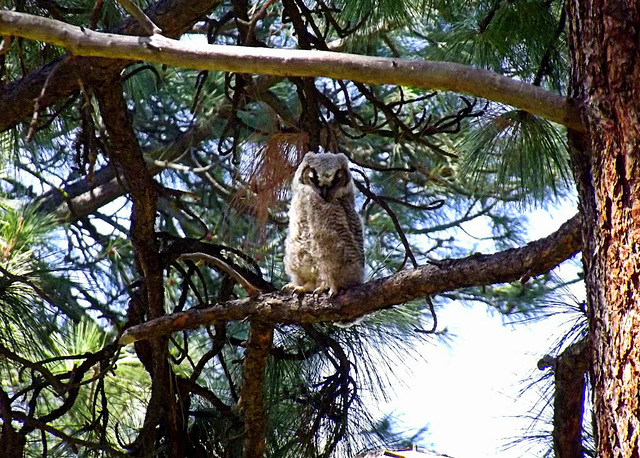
column 145, row 22
column 371, row 70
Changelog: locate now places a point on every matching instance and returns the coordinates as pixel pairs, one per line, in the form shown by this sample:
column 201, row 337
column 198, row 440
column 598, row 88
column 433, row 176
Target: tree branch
column 11, row 441
column 145, row 22
column 125, row 156
column 16, row 99
column 510, row 265
column 372, row 70
column 44, row 426
column 85, row 196
column 569, row 370
column 252, row 398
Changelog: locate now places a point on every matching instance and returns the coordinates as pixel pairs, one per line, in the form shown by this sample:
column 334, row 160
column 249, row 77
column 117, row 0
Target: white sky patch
column 470, row 393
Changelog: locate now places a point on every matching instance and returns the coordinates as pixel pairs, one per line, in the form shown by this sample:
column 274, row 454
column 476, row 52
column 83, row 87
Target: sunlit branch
column 288, row 62
column 518, row 264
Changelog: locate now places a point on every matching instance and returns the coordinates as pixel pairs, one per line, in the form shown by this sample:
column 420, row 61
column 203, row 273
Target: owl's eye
column 338, row 178
column 313, row 177
column 309, row 176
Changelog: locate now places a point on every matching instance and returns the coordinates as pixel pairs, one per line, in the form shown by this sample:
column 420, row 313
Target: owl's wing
column 354, row 223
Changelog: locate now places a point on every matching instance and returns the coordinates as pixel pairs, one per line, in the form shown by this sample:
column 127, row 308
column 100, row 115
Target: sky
column 470, row 392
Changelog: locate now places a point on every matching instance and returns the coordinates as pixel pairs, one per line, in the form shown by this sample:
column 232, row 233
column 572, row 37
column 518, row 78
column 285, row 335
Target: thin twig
column 251, row 289
column 383, row 204
column 434, row 317
column 52, row 379
column 36, row 109
column 43, row 426
column 260, row 14
column 145, row 22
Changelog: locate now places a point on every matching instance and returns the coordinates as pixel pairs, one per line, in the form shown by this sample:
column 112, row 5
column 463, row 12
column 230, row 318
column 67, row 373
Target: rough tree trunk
column 603, row 37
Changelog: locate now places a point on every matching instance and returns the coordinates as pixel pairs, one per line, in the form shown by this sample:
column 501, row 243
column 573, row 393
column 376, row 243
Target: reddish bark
column 606, row 80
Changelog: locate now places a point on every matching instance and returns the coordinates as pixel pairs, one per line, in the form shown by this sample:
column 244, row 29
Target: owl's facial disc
column 325, row 184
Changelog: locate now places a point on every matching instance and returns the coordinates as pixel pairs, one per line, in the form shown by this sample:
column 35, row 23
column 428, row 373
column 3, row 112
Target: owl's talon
column 297, row 289
column 323, row 288
column 333, row 292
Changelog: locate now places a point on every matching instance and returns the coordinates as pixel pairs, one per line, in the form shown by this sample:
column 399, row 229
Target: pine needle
column 275, row 163
column 519, row 156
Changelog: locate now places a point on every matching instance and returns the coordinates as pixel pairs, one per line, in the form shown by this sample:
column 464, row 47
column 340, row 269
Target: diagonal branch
column 372, row 70
column 145, row 22
column 514, row 264
column 125, row 155
column 174, row 17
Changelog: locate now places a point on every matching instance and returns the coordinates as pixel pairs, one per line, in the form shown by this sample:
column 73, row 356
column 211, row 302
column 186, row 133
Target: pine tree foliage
column 511, row 145
column 430, row 168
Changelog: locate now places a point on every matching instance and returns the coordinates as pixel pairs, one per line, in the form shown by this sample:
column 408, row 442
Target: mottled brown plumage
column 324, row 250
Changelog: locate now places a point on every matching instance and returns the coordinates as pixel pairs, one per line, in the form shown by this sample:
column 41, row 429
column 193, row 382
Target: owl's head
column 326, row 173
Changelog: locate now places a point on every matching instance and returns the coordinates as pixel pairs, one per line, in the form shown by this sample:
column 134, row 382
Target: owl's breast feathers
column 325, row 247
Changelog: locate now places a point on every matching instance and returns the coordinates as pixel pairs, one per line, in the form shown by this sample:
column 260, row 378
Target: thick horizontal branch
column 289, row 62
column 515, row 264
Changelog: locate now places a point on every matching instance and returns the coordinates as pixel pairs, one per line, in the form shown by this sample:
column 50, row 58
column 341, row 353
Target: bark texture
column 569, row 370
column 605, row 79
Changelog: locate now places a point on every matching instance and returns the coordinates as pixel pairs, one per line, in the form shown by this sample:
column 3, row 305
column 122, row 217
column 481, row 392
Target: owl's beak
column 324, row 193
